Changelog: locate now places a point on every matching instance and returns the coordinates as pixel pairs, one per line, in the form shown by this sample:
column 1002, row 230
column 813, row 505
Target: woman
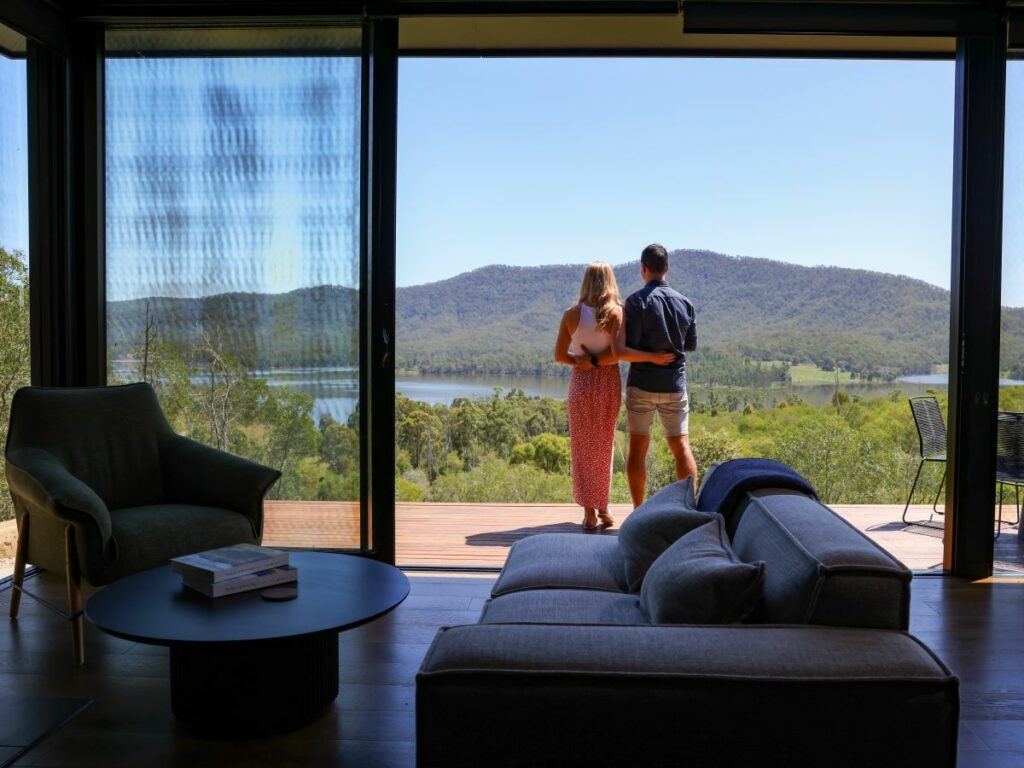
column 592, row 339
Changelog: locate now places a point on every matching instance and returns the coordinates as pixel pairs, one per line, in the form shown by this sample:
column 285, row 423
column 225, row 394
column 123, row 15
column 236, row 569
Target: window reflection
column 233, row 264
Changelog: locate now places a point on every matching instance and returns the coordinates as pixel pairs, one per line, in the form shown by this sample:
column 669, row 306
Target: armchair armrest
column 194, row 473
column 39, row 479
column 517, row 694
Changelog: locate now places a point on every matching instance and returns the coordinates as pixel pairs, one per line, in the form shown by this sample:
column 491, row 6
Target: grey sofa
column 565, row 668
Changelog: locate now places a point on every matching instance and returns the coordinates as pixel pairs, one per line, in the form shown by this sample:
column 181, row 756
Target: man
column 658, row 319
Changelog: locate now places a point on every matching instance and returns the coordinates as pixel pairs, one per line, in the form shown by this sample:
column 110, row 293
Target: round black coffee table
column 242, row 665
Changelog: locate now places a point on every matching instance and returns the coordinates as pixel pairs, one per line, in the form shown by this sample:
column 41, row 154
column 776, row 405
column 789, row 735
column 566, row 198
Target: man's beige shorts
column 673, row 409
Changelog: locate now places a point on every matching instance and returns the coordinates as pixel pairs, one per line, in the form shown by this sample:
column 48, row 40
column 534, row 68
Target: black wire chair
column 931, row 432
column 1009, row 459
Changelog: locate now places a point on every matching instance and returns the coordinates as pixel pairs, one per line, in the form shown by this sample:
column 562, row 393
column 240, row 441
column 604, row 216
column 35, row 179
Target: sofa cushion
column 698, row 580
column 818, row 568
column 654, row 526
column 563, row 561
column 564, row 606
column 518, row 695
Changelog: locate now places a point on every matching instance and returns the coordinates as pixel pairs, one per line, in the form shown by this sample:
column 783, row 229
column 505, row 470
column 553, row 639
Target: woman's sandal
column 606, row 519
column 586, row 527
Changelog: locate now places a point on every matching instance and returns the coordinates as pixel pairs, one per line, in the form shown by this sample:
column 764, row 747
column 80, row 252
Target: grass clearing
column 808, row 373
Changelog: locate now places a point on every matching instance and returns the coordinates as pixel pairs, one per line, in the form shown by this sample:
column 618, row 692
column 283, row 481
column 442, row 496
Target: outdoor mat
column 27, row 720
column 934, row 528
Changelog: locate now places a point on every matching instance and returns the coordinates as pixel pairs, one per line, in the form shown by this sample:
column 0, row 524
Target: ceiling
column 654, row 34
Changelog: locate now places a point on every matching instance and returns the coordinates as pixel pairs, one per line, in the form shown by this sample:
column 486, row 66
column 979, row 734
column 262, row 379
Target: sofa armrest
column 194, row 473
column 41, row 482
column 517, row 694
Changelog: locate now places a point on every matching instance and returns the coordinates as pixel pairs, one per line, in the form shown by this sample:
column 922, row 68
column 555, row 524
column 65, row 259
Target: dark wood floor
column 977, row 628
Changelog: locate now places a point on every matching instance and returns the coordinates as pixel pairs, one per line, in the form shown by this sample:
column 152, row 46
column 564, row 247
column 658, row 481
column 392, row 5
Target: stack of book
column 234, row 569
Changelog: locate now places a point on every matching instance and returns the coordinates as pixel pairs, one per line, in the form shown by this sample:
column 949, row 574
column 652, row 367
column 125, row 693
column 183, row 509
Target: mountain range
column 501, row 319
column 309, row 327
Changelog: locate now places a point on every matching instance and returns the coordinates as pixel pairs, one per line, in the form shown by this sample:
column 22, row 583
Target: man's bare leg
column 686, row 465
column 636, row 467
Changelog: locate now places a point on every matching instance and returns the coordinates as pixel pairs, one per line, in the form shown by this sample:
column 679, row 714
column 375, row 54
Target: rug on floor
column 27, row 720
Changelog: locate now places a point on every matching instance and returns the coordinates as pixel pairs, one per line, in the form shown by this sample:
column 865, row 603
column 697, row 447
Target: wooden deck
column 480, row 534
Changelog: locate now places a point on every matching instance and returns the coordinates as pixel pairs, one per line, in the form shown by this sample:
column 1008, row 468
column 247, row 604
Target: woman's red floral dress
column 593, row 403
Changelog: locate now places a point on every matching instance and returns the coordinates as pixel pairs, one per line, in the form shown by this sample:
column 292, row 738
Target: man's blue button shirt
column 660, row 319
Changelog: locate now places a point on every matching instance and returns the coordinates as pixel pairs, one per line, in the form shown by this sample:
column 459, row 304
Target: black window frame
column 66, row 255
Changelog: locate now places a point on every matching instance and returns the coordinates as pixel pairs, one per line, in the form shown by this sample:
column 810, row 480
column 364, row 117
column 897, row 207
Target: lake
column 336, row 391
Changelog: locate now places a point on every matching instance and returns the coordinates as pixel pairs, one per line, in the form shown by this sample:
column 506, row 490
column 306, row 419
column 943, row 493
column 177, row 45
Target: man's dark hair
column 655, row 258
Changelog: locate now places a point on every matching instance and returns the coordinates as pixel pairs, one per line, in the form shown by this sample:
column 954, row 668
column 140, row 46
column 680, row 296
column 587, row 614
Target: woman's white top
column 587, row 334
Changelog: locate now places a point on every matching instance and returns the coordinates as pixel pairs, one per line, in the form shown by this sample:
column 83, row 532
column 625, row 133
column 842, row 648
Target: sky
column 13, row 155
column 539, row 161
column 1013, row 188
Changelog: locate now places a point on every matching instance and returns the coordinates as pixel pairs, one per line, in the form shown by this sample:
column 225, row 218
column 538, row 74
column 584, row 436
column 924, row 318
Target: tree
column 291, row 439
column 421, row 431
column 219, row 398
column 551, row 453
column 463, row 424
column 14, row 347
column 710, row 447
column 824, row 449
column 495, row 480
column 149, row 336
column 339, row 447
column 523, row 453
column 501, row 423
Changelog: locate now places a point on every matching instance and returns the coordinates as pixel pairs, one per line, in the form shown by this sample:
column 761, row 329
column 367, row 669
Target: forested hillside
column 502, row 319
column 309, row 327
column 756, row 317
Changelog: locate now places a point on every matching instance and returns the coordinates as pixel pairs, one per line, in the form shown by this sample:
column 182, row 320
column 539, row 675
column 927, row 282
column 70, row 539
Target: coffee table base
column 224, row 690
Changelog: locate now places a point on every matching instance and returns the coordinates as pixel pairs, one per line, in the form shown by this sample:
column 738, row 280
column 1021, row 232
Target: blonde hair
column 600, row 290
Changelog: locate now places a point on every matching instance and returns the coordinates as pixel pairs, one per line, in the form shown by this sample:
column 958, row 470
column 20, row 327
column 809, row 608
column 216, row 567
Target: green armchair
column 104, row 488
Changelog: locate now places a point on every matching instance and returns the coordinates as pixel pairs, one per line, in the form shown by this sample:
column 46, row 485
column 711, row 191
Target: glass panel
column 14, row 315
column 806, row 207
column 1010, row 444
column 233, row 262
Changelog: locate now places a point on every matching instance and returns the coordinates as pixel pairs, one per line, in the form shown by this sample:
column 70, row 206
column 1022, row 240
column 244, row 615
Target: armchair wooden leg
column 74, row 595
column 18, row 579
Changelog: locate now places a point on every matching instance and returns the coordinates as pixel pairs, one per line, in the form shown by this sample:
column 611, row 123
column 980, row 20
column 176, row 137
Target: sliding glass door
column 14, row 309
column 233, row 185
column 1008, row 546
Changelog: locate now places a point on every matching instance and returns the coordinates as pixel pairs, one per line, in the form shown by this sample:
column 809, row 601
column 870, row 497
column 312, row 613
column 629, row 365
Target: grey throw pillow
column 655, row 525
column 698, row 580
